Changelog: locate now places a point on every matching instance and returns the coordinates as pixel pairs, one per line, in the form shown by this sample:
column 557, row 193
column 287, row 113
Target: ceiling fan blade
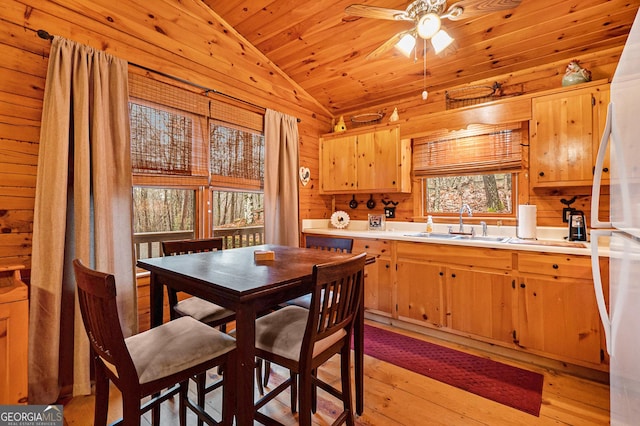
column 474, row 8
column 365, row 11
column 387, row 45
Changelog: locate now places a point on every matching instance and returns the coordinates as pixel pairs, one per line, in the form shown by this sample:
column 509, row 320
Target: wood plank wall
column 186, row 40
column 181, row 39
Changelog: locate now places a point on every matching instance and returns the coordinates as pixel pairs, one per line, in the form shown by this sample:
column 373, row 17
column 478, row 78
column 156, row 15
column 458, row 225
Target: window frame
column 249, row 119
column 423, row 212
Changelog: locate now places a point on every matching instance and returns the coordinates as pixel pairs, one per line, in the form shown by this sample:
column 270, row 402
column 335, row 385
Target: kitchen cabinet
column 536, row 302
column 14, row 320
column 378, row 291
column 564, row 136
column 557, row 311
column 421, row 293
column 368, row 162
column 481, row 303
column 436, row 286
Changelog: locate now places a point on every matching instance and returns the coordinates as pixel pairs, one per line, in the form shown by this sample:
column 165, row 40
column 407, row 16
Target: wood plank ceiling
column 323, row 49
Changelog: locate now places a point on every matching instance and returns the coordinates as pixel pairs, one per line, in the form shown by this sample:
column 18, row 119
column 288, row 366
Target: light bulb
column 428, row 25
column 406, row 44
column 425, row 95
column 440, row 41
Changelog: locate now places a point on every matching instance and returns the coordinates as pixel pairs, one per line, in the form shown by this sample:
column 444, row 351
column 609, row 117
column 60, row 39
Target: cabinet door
column 560, row 317
column 14, row 318
column 420, row 292
column 378, row 164
column 599, row 120
column 377, row 287
column 481, row 303
column 562, row 139
column 338, row 165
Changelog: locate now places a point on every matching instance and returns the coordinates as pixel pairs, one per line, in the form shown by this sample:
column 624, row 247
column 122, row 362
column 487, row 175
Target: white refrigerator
column 621, row 318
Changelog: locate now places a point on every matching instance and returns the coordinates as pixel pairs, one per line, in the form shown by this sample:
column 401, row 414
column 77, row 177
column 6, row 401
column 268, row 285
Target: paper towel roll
column 527, row 221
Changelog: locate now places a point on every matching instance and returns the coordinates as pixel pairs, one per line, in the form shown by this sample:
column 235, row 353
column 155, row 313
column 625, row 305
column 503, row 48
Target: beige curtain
column 281, row 179
column 82, row 209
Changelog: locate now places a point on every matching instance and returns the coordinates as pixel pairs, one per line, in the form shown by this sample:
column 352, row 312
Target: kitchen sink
column 487, row 238
column 434, row 235
column 446, row 236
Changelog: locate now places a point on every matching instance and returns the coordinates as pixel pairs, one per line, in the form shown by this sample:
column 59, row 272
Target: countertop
column 550, row 239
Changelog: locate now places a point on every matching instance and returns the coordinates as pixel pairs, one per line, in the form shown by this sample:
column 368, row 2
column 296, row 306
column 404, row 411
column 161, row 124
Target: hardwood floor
column 395, row 396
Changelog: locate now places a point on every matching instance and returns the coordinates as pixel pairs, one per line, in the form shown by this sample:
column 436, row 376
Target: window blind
column 476, row 149
column 187, row 136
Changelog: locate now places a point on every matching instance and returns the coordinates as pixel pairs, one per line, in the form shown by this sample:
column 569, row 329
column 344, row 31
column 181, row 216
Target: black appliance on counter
column 577, row 226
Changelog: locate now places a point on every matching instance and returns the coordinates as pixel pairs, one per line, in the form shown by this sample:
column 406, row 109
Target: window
column 475, row 166
column 486, row 194
column 198, row 167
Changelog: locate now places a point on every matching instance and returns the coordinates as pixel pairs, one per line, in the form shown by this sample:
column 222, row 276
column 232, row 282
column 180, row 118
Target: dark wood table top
column 235, row 274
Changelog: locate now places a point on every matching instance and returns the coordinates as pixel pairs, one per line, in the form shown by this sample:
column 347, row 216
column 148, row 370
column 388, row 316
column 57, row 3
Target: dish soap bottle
column 429, row 225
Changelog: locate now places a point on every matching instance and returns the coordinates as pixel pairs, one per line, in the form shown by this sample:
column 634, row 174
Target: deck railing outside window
column 148, row 244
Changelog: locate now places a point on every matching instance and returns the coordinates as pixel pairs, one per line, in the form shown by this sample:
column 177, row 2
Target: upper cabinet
column 565, row 135
column 373, row 162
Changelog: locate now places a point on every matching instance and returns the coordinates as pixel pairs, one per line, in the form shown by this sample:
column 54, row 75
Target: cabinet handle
column 387, row 266
column 606, row 170
column 453, row 275
column 522, row 285
column 555, row 266
column 367, row 246
column 441, row 274
column 541, row 174
column 393, row 182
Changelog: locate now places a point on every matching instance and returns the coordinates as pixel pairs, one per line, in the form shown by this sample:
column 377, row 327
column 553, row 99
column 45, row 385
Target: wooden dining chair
column 157, row 362
column 337, row 244
column 195, row 307
column 301, row 340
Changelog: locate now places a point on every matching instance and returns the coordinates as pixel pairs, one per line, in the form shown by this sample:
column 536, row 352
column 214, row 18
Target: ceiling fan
column 427, row 16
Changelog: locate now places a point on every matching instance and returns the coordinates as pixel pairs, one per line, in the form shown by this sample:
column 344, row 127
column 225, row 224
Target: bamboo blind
column 476, row 149
column 184, row 138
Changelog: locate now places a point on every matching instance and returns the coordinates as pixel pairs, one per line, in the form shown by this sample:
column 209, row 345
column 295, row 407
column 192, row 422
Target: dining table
column 236, row 280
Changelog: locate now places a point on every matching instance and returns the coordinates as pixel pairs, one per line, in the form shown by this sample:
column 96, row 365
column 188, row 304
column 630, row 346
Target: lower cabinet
column 378, row 289
column 541, row 303
column 481, row 303
column 14, row 321
column 421, row 293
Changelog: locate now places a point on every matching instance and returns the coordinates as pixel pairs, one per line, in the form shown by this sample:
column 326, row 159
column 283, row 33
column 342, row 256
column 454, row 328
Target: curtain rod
column 46, row 36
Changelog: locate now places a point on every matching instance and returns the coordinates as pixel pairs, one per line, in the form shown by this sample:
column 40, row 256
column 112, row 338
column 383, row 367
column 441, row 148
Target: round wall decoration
column 340, row 219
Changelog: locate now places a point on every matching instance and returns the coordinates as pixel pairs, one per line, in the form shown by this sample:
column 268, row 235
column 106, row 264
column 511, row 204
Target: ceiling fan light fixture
column 428, row 25
column 440, row 41
column 406, row 44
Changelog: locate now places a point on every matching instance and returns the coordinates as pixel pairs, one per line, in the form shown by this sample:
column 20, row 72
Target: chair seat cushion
column 302, row 301
column 201, row 310
column 176, row 346
column 281, row 333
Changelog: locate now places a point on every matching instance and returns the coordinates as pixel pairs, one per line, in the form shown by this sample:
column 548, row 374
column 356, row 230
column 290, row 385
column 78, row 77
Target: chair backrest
column 191, row 246
column 337, row 290
column 338, row 244
column 97, row 299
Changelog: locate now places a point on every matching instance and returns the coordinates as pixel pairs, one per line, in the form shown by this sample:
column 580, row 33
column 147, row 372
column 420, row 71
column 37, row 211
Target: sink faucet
column 462, row 209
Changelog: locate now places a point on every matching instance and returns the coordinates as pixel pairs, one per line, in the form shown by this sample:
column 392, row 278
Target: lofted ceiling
column 324, row 50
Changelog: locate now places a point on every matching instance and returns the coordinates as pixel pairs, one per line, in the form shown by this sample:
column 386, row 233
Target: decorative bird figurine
column 394, row 116
column 575, row 74
column 340, row 127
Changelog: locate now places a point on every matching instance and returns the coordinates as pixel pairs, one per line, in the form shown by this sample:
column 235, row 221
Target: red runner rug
column 508, row 385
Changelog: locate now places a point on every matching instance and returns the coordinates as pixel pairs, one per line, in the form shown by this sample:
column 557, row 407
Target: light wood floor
column 395, row 396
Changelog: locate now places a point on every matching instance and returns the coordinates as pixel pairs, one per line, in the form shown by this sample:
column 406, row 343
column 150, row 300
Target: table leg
column 245, row 343
column 155, row 300
column 358, row 349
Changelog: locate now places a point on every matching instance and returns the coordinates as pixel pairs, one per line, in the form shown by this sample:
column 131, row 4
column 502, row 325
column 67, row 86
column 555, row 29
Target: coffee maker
column 577, row 226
